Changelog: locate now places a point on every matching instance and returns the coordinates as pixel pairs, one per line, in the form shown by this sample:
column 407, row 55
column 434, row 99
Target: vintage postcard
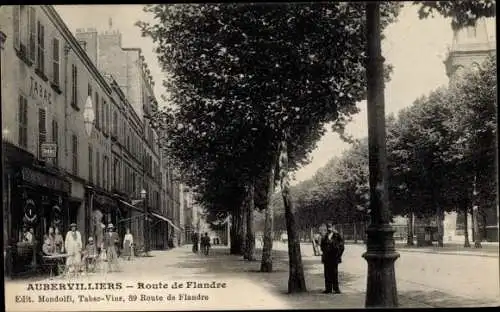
column 217, row 156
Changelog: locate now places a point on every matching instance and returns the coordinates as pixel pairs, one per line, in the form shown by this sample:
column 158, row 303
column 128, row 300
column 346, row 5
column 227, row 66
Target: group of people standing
column 203, row 242
column 78, row 257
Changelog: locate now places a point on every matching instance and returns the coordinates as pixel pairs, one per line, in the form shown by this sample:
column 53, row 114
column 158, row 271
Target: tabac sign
column 40, row 90
column 48, row 150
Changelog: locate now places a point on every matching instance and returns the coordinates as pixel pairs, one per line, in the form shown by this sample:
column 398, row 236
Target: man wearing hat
column 73, row 245
column 332, row 247
column 111, row 239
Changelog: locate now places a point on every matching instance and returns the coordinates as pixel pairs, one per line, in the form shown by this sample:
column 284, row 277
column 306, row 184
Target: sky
column 416, row 49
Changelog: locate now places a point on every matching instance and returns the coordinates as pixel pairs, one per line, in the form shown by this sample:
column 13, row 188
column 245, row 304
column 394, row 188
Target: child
column 90, row 255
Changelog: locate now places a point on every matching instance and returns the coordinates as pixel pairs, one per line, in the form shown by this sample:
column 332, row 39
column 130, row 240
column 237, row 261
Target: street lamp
column 145, row 231
column 88, row 116
column 381, row 253
column 88, row 120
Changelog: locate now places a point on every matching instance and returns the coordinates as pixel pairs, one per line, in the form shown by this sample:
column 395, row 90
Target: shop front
column 102, row 209
column 36, row 198
column 133, row 219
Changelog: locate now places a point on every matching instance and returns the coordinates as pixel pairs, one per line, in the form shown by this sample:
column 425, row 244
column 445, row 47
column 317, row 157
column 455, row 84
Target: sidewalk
column 489, row 249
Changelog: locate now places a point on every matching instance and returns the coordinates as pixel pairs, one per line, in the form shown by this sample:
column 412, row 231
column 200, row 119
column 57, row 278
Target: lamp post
column 380, row 254
column 88, row 120
column 145, row 231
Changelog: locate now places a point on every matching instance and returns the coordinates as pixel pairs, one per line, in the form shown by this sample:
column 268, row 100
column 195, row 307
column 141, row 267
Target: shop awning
column 131, row 206
column 166, row 220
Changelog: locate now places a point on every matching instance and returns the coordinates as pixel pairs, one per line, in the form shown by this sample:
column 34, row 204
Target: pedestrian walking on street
column 205, row 244
column 194, row 239
column 128, row 242
column 111, row 239
column 332, row 248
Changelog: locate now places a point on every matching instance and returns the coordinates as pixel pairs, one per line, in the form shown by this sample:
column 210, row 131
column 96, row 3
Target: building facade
column 60, row 166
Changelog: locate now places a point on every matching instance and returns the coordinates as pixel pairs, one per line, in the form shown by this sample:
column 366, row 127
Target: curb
column 450, row 253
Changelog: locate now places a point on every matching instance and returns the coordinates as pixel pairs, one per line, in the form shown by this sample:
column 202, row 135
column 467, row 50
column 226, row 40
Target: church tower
column 470, row 47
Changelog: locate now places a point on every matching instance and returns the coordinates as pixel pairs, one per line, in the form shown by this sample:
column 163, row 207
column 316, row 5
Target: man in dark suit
column 332, row 248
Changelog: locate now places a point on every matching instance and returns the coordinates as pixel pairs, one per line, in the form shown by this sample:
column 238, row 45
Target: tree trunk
column 466, row 226
column 477, row 237
column 409, row 238
column 475, row 214
column 250, row 235
column 266, row 264
column 355, row 233
column 236, row 235
column 440, row 225
column 296, row 281
column 244, row 228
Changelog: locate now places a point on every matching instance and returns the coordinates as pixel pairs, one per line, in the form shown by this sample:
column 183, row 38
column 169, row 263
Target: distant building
column 470, row 48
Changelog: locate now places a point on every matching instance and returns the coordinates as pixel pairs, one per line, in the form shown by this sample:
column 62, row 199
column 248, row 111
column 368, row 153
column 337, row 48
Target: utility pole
column 381, row 254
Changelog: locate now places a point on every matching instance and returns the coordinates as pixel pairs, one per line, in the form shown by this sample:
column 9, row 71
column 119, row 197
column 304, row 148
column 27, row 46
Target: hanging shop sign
column 30, row 215
column 49, row 150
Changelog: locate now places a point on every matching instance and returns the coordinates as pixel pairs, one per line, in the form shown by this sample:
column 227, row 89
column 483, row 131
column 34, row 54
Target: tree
column 462, row 12
column 268, row 72
column 473, row 129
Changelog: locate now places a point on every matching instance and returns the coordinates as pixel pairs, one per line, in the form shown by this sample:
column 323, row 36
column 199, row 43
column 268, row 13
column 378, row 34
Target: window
column 74, row 87
column 115, row 173
column 98, row 172
column 55, row 138
column 89, row 93
column 105, row 172
column 115, row 123
column 41, row 48
column 23, row 121
column 42, row 130
column 32, row 34
column 91, row 164
column 55, row 61
column 97, row 112
column 17, row 11
column 134, row 186
column 104, row 117
column 74, row 148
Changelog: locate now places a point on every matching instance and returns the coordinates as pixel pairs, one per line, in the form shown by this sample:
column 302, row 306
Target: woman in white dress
column 73, row 246
column 128, row 242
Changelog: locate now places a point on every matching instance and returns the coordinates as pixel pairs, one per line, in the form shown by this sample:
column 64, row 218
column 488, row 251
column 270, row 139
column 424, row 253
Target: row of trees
column 442, row 158
column 253, row 87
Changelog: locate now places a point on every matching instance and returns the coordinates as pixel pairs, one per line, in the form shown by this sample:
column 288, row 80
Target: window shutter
column 55, row 61
column 55, row 138
column 32, row 33
column 42, row 130
column 17, row 26
column 97, row 111
column 39, row 58
column 21, row 121
column 76, row 86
